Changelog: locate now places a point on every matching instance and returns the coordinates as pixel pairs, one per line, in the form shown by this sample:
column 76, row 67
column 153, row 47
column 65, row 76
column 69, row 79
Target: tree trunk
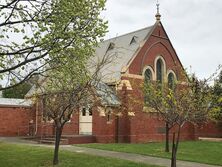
column 117, row 130
column 175, row 148
column 57, row 142
column 167, row 138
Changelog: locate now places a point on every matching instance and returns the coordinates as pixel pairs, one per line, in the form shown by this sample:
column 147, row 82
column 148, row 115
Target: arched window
column 159, row 70
column 148, row 75
column 171, row 80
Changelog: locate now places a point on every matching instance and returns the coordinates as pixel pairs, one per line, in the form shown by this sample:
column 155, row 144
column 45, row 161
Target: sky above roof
column 193, row 26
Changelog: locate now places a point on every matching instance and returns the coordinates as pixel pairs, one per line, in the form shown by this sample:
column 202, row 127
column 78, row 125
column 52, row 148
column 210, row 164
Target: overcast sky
column 193, row 26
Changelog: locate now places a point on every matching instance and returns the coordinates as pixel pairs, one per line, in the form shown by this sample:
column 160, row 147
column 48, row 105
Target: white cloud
column 194, row 27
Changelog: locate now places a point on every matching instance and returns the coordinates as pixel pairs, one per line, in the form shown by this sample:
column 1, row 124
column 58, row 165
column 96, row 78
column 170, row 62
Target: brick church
column 143, row 54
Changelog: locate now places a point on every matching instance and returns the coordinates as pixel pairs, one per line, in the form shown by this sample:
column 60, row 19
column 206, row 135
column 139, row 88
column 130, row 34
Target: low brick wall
column 211, row 129
column 81, row 139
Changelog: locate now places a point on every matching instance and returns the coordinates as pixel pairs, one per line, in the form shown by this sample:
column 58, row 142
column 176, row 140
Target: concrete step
column 51, row 140
column 46, row 141
column 68, row 139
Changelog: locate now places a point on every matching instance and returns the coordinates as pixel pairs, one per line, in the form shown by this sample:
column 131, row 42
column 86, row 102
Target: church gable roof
column 120, row 49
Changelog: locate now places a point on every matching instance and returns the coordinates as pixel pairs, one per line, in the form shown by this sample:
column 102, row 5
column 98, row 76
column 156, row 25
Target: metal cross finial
column 158, row 11
column 158, row 6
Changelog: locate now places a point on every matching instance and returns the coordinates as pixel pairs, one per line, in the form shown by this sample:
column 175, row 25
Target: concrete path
column 133, row 157
column 103, row 153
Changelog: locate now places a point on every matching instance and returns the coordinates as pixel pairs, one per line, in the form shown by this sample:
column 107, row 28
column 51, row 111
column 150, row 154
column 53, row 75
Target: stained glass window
column 171, row 80
column 148, row 75
column 159, row 70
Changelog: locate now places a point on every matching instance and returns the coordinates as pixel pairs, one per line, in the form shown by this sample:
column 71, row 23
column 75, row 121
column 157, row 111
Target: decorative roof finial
column 158, row 15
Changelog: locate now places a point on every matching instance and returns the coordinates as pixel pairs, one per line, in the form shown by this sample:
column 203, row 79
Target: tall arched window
column 148, row 75
column 159, row 70
column 171, row 80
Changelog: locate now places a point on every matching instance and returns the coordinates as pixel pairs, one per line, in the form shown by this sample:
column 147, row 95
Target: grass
column 12, row 155
column 195, row 151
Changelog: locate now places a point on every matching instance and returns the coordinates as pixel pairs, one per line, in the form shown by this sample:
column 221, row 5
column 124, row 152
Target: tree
column 216, row 112
column 186, row 103
column 167, row 117
column 53, row 39
column 74, row 83
column 34, row 33
column 18, row 91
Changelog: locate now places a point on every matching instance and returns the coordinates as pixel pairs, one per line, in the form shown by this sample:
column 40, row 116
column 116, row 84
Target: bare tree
column 68, row 87
column 186, row 103
column 35, row 32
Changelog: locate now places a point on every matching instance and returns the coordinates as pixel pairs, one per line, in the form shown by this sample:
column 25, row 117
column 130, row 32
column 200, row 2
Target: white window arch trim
column 164, row 67
column 151, row 69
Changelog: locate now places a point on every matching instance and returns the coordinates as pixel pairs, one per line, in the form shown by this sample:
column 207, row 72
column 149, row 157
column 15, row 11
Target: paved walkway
column 133, row 157
column 103, row 153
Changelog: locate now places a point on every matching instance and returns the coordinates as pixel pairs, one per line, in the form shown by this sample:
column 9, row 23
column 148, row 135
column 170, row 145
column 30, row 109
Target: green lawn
column 12, row 155
column 196, row 151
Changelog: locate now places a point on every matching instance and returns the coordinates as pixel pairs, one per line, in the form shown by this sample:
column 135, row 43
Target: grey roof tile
column 107, row 95
column 122, row 52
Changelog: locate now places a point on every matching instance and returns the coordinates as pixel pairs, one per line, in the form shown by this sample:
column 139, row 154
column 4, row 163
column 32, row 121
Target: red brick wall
column 157, row 44
column 47, row 128
column 81, row 139
column 15, row 121
column 145, row 126
column 211, row 129
column 70, row 128
column 123, row 125
column 104, row 130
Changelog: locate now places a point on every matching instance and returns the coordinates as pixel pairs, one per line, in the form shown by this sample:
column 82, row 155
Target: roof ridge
column 127, row 33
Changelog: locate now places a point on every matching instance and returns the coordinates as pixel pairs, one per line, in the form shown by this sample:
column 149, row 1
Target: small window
column 109, row 116
column 148, row 75
column 171, row 80
column 111, row 46
column 70, row 118
column 90, row 111
column 84, row 111
column 133, row 40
